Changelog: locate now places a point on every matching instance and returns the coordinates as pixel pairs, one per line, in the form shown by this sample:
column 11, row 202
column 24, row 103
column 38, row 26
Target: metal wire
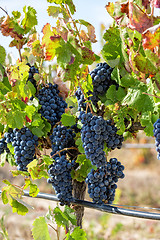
column 104, row 208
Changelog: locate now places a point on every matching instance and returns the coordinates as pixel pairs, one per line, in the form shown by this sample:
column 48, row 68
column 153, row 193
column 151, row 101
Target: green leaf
column 128, row 80
column 37, row 131
column 40, row 229
column 2, row 54
column 69, row 213
column 30, row 110
column 47, row 159
column 33, row 190
column 84, row 168
column 15, row 119
column 112, row 48
column 71, row 6
column 60, row 218
column 30, row 19
column 18, row 208
column 54, row 11
column 56, row 1
column 144, row 65
column 79, row 143
column 146, row 121
column 78, row 233
column 4, row 197
column 17, row 173
column 137, row 99
column 68, row 120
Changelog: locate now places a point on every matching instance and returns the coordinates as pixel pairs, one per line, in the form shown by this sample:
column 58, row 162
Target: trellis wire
column 104, row 208
column 109, row 208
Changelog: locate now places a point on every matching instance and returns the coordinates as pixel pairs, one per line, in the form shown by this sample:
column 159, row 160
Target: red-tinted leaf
column 146, row 3
column 88, row 55
column 91, row 33
column 50, row 41
column 125, row 8
column 138, row 19
column 151, row 37
column 110, row 8
column 8, row 28
column 157, row 3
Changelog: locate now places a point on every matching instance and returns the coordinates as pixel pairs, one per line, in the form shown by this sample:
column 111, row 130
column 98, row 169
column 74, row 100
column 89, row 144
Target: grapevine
column 64, row 109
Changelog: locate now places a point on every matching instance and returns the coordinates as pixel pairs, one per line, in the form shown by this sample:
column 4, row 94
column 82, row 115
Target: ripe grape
column 52, row 105
column 60, row 177
column 101, row 80
column 92, row 137
column 157, row 137
column 24, row 143
column 61, row 138
column 102, row 182
column 31, row 79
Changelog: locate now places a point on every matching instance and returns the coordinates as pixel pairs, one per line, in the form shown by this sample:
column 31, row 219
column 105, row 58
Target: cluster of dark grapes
column 32, row 71
column 24, row 143
column 3, row 146
column 61, row 138
column 60, row 170
column 80, row 99
column 60, row 177
column 94, row 133
column 112, row 139
column 102, row 182
column 101, row 80
column 53, row 105
column 157, row 136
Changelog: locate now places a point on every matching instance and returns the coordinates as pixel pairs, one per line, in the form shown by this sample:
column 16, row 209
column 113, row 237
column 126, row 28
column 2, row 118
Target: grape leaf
column 146, row 121
column 40, row 229
column 68, row 120
column 30, row 18
column 54, row 11
column 112, row 48
column 136, row 99
column 80, row 145
column 151, row 37
column 33, row 190
column 78, row 233
column 138, row 19
column 2, row 54
column 60, row 218
column 50, row 40
column 56, row 1
column 69, row 213
column 71, row 6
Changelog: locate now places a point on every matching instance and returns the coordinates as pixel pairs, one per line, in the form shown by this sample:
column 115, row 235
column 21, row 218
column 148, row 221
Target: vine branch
column 4, row 10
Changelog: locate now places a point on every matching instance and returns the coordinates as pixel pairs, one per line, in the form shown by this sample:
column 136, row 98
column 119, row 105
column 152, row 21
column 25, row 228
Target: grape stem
column 56, row 230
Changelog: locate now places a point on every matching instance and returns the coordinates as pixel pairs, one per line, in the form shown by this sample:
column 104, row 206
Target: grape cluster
column 157, row 136
column 53, row 105
column 101, row 80
column 80, row 99
column 112, row 139
column 32, row 71
column 102, row 182
column 61, row 138
column 24, row 143
column 60, row 177
column 92, row 135
column 3, row 146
